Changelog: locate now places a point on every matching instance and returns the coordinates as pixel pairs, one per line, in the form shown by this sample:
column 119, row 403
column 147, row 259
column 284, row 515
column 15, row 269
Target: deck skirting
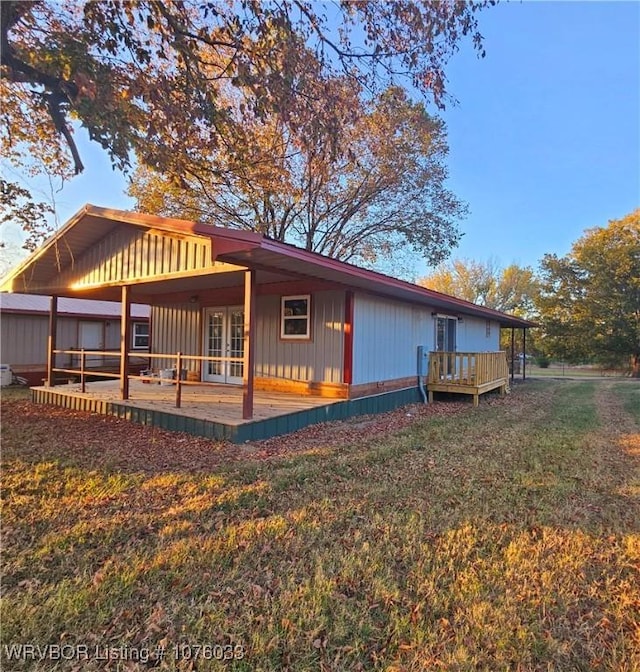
column 475, row 390
column 254, row 430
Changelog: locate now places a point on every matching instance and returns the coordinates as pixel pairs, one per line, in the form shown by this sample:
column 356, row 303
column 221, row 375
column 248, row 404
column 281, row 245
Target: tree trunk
column 635, row 365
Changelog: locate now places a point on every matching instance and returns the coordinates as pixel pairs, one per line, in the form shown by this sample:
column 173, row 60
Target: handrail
column 177, row 360
column 148, row 355
column 467, row 368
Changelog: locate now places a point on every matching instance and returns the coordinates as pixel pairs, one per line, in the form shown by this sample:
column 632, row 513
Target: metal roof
column 38, row 304
column 243, row 248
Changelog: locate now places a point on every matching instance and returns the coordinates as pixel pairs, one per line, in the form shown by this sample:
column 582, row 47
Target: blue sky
column 544, row 141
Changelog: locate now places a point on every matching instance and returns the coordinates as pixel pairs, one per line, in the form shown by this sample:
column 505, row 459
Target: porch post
column 513, row 352
column 347, row 365
column 524, row 353
column 51, row 341
column 249, row 343
column 125, row 339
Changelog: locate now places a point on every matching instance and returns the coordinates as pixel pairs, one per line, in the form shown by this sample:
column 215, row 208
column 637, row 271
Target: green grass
column 502, row 538
column 555, row 370
column 630, row 396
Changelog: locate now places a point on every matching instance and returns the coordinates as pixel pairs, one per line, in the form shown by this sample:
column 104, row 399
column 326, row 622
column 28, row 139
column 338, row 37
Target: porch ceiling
column 161, row 290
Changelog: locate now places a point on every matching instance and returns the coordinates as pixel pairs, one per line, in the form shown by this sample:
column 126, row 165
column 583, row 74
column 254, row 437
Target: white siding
column 472, row 335
column 386, row 336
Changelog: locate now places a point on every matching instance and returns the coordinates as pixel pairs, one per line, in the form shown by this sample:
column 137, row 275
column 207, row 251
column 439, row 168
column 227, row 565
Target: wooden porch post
column 513, row 352
column 347, row 366
column 51, row 341
column 125, row 340
column 249, row 343
column 524, row 352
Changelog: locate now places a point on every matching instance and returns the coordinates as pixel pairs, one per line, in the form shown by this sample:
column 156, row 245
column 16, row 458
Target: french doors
column 224, row 344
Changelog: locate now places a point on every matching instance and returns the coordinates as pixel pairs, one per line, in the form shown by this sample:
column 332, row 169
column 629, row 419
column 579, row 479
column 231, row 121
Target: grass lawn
column 505, row 537
column 555, row 370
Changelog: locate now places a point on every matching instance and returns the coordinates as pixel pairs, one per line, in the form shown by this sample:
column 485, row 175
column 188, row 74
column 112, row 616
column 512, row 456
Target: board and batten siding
column 179, row 328
column 131, row 254
column 386, row 335
column 176, row 328
column 25, row 337
column 319, row 359
column 472, row 335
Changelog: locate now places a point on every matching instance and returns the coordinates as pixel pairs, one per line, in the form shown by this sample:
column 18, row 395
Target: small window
column 140, row 335
column 488, row 328
column 296, row 311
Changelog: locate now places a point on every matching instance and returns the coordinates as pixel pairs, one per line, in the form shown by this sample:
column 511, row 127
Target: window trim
column 283, row 318
column 135, row 335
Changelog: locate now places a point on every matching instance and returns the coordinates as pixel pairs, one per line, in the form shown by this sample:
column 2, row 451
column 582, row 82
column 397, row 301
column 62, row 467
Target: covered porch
column 254, row 314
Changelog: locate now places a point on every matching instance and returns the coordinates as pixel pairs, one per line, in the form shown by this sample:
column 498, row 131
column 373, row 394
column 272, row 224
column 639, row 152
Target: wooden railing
column 467, row 368
column 177, row 363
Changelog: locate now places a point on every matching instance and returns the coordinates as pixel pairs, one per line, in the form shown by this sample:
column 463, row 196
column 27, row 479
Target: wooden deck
column 215, row 411
column 467, row 373
column 221, row 403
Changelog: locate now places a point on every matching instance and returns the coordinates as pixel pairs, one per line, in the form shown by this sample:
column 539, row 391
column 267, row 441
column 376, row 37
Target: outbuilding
column 82, row 324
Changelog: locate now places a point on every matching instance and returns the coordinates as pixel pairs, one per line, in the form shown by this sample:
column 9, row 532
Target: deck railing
column 176, row 370
column 467, row 368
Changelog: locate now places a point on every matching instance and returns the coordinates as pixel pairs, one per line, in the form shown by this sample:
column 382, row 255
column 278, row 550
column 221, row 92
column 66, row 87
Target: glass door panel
column 223, row 339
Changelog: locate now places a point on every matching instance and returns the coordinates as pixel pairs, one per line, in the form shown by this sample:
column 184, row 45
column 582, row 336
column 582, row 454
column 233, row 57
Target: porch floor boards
column 221, row 404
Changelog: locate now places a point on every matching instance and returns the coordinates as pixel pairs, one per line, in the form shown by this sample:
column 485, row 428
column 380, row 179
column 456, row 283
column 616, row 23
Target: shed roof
column 36, row 304
column 241, row 248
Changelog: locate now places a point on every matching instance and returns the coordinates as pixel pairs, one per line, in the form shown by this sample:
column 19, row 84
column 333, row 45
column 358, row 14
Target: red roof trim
column 230, row 241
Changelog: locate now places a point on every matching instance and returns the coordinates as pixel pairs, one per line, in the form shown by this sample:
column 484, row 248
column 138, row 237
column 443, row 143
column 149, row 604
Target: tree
column 510, row 290
column 589, row 300
column 382, row 191
column 146, row 78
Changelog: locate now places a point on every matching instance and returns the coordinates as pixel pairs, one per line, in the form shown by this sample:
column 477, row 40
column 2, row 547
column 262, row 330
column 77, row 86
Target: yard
column 505, row 537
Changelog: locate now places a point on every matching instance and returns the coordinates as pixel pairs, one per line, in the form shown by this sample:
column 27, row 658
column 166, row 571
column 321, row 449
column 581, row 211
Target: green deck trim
column 250, row 431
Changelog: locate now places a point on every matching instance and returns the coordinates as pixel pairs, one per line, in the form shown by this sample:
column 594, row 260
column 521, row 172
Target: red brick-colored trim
column 347, row 366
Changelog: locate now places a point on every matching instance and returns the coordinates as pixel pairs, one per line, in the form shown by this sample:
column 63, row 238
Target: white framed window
column 140, row 335
column 295, row 317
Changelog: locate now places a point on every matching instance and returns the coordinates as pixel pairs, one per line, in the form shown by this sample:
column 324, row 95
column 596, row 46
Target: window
column 140, row 335
column 488, row 329
column 295, row 318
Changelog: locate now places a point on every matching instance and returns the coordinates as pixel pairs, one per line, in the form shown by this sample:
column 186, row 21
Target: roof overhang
column 274, row 260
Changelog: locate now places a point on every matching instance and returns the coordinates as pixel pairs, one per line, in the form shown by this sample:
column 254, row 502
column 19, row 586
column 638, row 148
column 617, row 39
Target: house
column 92, row 325
column 234, row 310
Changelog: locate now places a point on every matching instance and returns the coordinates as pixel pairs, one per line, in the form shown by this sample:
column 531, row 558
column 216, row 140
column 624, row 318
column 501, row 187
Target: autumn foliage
column 162, row 83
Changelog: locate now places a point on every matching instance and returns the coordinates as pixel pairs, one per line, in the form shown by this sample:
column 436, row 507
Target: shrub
column 543, row 362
